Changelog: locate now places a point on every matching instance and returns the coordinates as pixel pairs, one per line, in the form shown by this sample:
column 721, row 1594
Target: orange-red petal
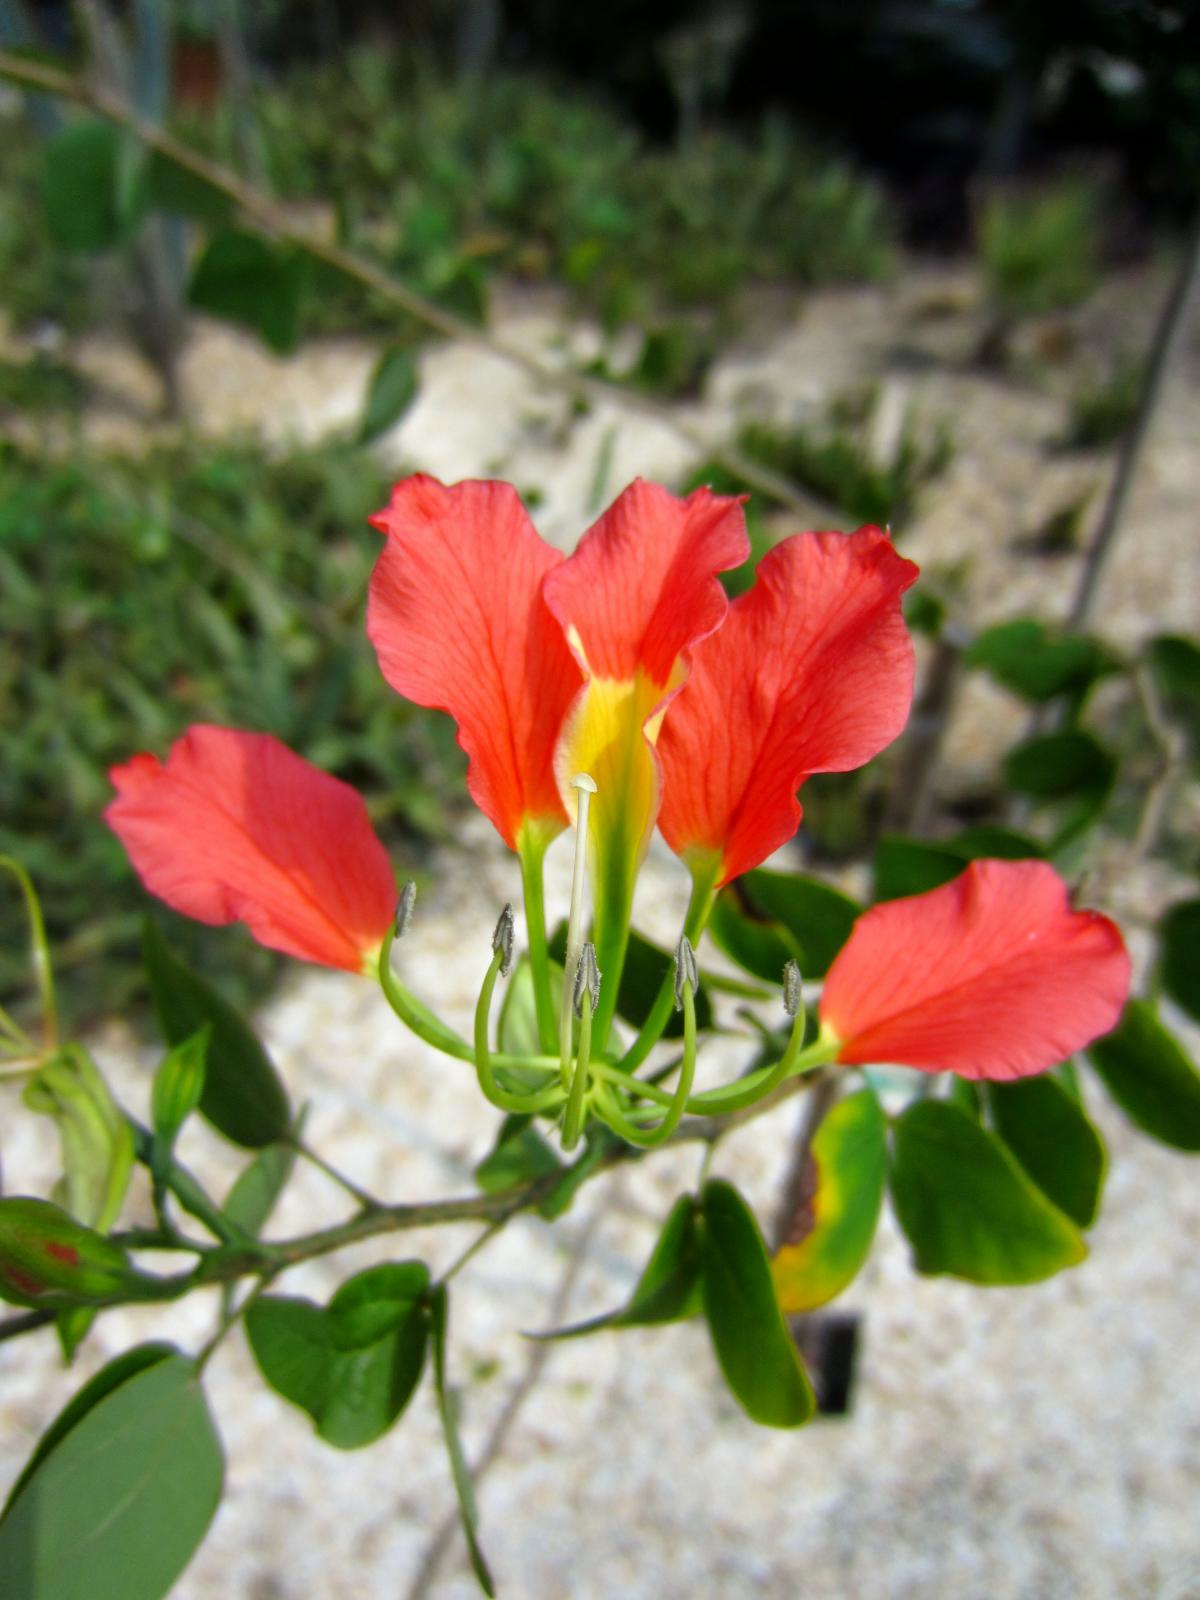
column 458, row 622
column 812, row 671
column 641, row 587
column 237, row 827
column 991, row 976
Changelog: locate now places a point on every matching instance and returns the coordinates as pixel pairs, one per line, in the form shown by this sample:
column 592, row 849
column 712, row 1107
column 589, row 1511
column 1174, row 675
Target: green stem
column 611, row 930
column 531, row 848
column 415, row 1016
column 573, row 1120
column 524, row 1104
column 758, row 1085
column 42, row 969
column 694, row 923
column 677, row 1103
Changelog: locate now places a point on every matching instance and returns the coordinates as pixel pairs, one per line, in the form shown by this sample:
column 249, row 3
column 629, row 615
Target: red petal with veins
column 237, row 827
column 458, row 622
column 641, row 587
column 991, row 976
column 811, row 672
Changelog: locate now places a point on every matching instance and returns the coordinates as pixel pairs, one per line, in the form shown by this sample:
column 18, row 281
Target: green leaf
column 841, row 1192
column 753, row 1345
column 1061, row 766
column 520, row 1154
column 750, row 937
column 354, row 1364
column 1179, row 955
column 393, row 388
column 1027, row 657
column 463, row 1488
column 646, row 965
column 669, row 1287
column 1050, row 1134
column 243, row 1097
column 968, row 1207
column 178, row 1085
column 183, row 193
column 906, row 866
column 562, row 1193
column 244, row 279
column 116, row 1502
column 764, row 919
column 1174, row 661
column 91, row 187
column 258, row 1186
column 1145, row 1070
column 990, row 841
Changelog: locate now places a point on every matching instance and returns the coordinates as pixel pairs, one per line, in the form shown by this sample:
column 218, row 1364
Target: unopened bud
column 47, row 1258
column 793, row 991
column 587, row 979
column 404, row 908
column 502, row 940
column 685, row 970
column 178, row 1085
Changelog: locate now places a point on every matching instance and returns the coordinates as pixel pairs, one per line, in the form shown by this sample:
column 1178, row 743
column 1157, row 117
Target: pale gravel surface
column 1034, row 1444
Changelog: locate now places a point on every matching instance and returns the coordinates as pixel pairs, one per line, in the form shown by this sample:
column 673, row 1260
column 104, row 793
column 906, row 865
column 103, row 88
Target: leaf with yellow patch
column 838, row 1207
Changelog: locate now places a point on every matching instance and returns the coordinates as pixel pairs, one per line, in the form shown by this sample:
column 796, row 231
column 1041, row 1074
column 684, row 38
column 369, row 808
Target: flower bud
column 47, row 1258
column 178, row 1085
column 96, row 1140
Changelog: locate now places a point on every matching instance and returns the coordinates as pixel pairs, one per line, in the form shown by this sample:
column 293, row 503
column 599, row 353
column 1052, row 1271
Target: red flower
column 236, row 827
column 554, row 666
column 991, row 976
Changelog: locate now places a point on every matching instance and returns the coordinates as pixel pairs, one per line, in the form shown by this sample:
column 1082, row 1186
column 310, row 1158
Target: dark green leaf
column 180, row 192
column 1179, row 955
column 243, row 1097
column 669, row 1287
column 1049, row 1132
column 244, row 279
column 354, row 1364
column 966, row 1096
column 1145, row 1070
column 1174, row 661
column 968, row 1207
column 995, row 843
column 773, row 917
column 563, row 1193
column 925, row 613
column 1028, row 658
column 753, row 1345
column 91, row 192
column 830, row 1231
column 258, row 1186
column 520, row 1154
column 119, row 1501
column 906, row 866
column 1061, row 766
column 392, row 390
column 463, row 1488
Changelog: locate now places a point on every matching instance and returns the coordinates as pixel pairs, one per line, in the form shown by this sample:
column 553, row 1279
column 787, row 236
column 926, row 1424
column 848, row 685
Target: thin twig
column 1168, row 337
column 539, row 1354
column 276, row 220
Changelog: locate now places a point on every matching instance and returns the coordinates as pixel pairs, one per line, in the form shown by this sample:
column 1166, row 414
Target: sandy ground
column 1034, row 1444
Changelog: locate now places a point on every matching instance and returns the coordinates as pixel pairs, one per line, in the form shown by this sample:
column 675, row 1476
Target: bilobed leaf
column 1027, row 657
column 460, row 1472
column 245, row 279
column 764, row 919
column 968, row 1207
column 1050, row 1134
column 1179, row 955
column 121, row 1492
column 393, row 388
column 753, row 939
column 755, row 1350
column 669, row 1287
column 831, row 1230
column 1150, row 1077
column 352, row 1365
column 91, row 192
column 243, row 1097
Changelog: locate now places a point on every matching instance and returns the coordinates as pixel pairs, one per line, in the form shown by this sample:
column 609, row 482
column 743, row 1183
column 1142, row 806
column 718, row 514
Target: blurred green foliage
column 199, row 582
column 38, row 279
column 1041, row 248
column 1102, row 410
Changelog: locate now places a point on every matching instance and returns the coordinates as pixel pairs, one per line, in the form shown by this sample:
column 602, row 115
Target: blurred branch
column 1168, row 337
column 37, row 75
